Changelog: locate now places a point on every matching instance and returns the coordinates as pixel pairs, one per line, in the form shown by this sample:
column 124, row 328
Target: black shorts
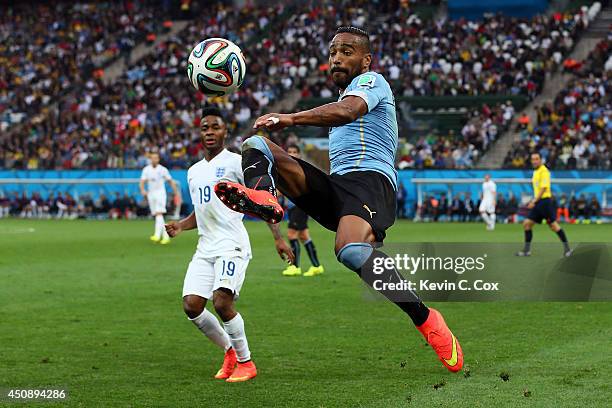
column 366, row 194
column 298, row 219
column 543, row 210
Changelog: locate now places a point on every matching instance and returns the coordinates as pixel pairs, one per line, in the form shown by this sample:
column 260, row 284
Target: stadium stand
column 460, row 151
column 574, row 131
column 151, row 106
column 48, row 48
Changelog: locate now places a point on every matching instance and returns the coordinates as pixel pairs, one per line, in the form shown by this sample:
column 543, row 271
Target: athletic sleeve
column 143, row 175
column 369, row 87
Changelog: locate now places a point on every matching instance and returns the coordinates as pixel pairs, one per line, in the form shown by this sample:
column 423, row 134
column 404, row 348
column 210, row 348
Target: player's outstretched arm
column 174, row 228
column 332, row 114
column 282, row 248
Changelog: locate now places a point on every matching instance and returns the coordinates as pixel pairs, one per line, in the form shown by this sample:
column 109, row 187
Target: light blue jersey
column 370, row 142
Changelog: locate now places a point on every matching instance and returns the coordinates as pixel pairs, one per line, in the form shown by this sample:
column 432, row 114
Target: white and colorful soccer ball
column 216, row 67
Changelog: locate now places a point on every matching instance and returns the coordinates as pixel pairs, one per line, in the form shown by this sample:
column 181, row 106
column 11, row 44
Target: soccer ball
column 216, row 67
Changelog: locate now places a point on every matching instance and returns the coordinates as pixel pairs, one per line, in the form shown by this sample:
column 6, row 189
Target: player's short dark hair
column 294, row 146
column 212, row 111
column 360, row 32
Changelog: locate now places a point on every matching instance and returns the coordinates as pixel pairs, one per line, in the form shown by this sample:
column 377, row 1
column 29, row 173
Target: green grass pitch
column 96, row 308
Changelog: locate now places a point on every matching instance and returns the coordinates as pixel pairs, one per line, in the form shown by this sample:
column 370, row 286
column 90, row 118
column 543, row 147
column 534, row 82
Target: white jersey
column 221, row 230
column 156, row 178
column 489, row 191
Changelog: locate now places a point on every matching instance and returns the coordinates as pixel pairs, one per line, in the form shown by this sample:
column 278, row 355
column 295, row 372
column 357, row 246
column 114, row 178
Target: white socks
column 233, row 336
column 235, row 329
column 160, row 231
column 485, row 217
column 489, row 220
column 210, row 326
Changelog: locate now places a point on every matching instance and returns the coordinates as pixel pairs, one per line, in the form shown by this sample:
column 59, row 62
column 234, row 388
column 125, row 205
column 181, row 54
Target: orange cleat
column 256, row 203
column 243, row 372
column 229, row 362
column 442, row 340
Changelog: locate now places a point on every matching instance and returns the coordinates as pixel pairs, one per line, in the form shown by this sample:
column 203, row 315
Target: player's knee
column 223, row 301
column 259, row 143
column 303, row 236
column 292, row 234
column 193, row 305
column 354, row 255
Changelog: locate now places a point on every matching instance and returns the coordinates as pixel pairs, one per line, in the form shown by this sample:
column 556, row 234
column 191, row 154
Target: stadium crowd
column 574, row 131
column 152, row 106
column 48, row 48
column 458, row 151
column 498, row 55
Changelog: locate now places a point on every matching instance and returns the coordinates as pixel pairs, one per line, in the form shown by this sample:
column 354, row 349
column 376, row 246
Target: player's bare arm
column 141, row 184
column 332, row 114
column 174, row 228
column 281, row 246
column 175, row 189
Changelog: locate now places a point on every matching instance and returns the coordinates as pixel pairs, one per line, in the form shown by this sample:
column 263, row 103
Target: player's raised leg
column 261, row 161
column 354, row 249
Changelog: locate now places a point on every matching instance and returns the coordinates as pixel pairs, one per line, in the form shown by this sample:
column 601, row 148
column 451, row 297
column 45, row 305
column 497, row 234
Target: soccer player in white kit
column 217, row 269
column 487, row 203
column 155, row 176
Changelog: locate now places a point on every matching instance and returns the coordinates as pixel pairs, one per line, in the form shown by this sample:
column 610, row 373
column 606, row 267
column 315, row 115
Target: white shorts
column 157, row 203
column 487, row 206
column 205, row 275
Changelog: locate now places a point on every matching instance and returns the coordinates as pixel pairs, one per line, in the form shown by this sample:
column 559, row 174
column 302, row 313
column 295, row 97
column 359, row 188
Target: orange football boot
column 229, row 362
column 442, row 340
column 243, row 372
column 256, row 203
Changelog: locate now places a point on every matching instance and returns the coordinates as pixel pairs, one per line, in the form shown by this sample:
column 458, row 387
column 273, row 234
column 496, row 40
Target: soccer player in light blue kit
column 358, row 198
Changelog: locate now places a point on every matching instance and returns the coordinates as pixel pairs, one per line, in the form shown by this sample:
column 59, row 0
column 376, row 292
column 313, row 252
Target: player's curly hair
column 362, row 33
column 212, row 111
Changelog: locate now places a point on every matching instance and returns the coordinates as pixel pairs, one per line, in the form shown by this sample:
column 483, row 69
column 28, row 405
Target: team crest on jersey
column 220, row 172
column 366, row 81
